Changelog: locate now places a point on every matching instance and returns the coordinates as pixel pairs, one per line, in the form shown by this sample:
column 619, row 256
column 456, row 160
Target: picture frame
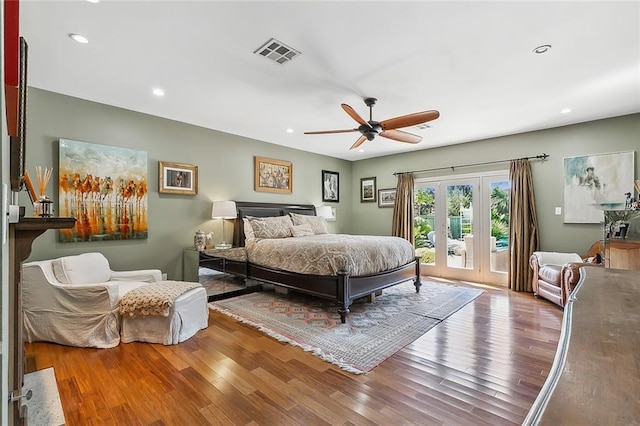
column 176, row 178
column 272, row 175
column 368, row 190
column 17, row 138
column 105, row 180
column 594, row 183
column 386, row 197
column 330, row 186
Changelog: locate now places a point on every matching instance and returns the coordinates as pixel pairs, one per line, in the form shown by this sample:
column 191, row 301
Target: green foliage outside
column 499, row 213
column 459, row 196
column 424, row 206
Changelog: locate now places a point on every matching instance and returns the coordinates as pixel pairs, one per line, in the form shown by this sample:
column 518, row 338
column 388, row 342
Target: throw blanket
column 154, row 299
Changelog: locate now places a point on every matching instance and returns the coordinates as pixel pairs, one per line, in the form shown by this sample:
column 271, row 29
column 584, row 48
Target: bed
column 346, row 281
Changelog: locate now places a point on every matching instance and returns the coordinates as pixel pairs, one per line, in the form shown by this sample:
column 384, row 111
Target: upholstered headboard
column 245, row 209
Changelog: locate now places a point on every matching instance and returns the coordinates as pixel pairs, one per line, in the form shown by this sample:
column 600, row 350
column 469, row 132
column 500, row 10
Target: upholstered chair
column 75, row 301
column 555, row 274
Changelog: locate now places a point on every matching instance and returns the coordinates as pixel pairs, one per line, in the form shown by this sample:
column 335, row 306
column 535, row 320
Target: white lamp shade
column 224, row 210
column 324, row 211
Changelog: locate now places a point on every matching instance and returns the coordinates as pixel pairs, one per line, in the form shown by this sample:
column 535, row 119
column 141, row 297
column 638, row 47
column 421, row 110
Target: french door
column 462, row 227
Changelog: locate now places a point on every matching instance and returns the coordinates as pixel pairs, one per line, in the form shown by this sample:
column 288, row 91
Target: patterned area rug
column 373, row 331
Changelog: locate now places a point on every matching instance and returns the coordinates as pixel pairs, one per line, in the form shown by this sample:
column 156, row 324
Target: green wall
column 595, row 137
column 225, row 172
column 225, row 168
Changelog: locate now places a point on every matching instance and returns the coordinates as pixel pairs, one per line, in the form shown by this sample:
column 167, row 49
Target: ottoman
column 188, row 315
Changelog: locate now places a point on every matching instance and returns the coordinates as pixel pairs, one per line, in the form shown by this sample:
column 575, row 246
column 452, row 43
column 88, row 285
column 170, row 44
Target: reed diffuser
column 42, row 205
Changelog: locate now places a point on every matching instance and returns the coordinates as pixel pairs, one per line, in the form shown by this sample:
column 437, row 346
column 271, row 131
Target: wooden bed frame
column 342, row 288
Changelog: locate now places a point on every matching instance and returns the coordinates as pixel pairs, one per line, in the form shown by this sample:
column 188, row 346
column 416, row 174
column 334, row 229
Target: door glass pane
column 499, row 241
column 424, row 223
column 460, row 226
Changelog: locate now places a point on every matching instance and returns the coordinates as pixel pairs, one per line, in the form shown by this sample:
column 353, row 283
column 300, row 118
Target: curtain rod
column 542, row 156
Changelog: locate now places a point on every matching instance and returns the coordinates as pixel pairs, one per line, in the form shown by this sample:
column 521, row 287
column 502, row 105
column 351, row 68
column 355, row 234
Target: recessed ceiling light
column 93, row 1
column 289, row 130
column 565, row 111
column 361, row 150
column 158, row 91
column 79, row 38
column 543, row 48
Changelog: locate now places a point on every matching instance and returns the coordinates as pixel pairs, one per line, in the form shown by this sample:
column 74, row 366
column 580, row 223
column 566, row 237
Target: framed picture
column 18, row 123
column 330, row 186
column 594, row 183
column 368, row 190
column 386, row 197
column 273, row 175
column 105, row 188
column 174, row 178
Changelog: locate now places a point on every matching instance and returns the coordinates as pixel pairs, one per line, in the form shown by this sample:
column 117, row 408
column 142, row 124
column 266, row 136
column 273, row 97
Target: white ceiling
column 472, row 61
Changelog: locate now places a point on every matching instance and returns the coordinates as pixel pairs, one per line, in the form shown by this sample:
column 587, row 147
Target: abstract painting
column 594, row 183
column 105, row 188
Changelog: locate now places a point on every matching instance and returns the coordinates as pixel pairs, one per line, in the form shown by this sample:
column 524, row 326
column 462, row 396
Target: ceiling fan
column 385, row 128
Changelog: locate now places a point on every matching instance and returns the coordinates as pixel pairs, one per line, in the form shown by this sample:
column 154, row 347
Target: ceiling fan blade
column 321, row 132
column 359, row 142
column 352, row 112
column 409, row 120
column 400, row 136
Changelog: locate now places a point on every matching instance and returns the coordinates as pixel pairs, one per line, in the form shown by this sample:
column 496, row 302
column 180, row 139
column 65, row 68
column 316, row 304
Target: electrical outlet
column 558, row 211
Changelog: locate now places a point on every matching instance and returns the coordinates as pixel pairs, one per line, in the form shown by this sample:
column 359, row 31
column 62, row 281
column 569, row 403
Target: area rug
column 44, row 408
column 373, row 332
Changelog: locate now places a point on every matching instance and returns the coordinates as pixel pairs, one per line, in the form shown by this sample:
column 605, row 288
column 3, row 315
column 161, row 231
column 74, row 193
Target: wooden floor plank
column 483, row 365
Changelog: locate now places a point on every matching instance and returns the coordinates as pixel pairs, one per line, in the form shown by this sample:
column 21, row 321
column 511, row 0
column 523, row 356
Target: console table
column 594, row 379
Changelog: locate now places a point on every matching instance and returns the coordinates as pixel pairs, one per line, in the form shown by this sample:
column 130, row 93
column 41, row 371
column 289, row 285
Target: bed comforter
column 328, row 254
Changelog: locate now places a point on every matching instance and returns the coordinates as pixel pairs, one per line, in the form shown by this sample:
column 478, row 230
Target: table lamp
column 223, row 210
column 325, row 211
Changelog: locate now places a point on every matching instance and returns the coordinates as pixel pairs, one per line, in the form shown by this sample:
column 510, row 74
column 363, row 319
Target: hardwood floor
column 482, row 366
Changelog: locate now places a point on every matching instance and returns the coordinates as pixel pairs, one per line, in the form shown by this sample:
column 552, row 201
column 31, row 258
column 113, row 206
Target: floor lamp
column 223, row 210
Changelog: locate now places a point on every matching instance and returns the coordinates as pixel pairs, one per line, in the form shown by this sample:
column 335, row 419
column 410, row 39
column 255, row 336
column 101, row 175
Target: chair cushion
column 86, row 268
column 551, row 274
column 556, row 258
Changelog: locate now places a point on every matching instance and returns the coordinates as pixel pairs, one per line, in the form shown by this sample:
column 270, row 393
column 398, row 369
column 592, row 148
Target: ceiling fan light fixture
column 277, row 51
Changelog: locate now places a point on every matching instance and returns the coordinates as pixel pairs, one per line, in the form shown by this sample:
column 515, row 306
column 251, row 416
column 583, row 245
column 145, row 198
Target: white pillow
column 317, row 223
column 301, row 230
column 271, row 227
column 248, row 230
column 86, row 268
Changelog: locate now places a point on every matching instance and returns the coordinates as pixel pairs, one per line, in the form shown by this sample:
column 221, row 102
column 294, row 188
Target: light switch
column 558, row 210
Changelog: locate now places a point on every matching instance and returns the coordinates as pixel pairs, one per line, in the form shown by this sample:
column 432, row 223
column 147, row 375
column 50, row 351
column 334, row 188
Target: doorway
column 470, row 215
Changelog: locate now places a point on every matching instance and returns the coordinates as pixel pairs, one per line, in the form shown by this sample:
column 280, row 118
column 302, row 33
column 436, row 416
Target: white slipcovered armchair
column 74, row 300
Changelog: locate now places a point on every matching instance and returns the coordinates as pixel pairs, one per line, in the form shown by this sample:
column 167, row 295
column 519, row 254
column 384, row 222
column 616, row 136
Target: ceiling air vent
column 277, row 51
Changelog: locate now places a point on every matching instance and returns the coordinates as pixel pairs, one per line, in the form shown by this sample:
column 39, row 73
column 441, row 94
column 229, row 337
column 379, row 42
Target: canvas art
column 594, row 183
column 105, row 188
